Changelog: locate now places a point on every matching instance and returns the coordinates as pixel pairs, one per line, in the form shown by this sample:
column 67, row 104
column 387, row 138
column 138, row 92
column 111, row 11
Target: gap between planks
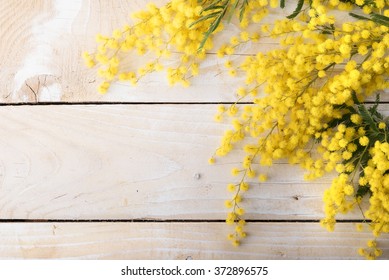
column 104, row 103
column 118, row 103
column 32, row 221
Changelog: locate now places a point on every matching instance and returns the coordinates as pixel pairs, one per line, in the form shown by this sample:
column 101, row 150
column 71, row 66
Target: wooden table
column 125, row 175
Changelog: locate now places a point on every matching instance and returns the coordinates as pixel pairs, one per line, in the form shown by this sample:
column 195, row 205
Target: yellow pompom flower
column 356, row 119
column 244, row 186
column 371, row 243
column 262, row 178
column 359, row 227
column 235, row 171
column 235, row 243
column 228, row 204
column 382, row 125
column 231, row 187
column 240, row 211
column 364, row 141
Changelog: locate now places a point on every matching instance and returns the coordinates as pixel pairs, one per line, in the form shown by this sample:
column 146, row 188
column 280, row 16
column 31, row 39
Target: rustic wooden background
column 125, row 175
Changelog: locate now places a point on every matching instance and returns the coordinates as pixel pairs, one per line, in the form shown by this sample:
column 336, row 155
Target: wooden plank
column 42, row 42
column 180, row 241
column 41, row 48
column 133, row 162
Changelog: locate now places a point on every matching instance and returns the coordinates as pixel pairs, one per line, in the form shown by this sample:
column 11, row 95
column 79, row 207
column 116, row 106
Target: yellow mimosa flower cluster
column 303, row 100
column 159, row 32
column 302, row 92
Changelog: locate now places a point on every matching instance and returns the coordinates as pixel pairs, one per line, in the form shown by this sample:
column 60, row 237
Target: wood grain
column 16, row 30
column 179, row 241
column 134, row 162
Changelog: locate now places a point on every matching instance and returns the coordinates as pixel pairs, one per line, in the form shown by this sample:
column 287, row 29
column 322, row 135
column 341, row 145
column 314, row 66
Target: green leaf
column 218, row 10
column 367, row 118
column 204, row 18
column 377, row 18
column 211, row 29
column 232, row 10
column 282, row 4
column 298, row 9
column 380, row 19
column 212, row 4
column 373, row 109
column 349, row 109
column 359, row 16
column 363, row 190
column 335, row 122
column 243, row 9
column 212, row 8
column 355, row 98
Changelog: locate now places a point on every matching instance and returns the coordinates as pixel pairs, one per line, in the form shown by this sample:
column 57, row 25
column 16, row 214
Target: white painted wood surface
column 178, row 241
column 132, row 162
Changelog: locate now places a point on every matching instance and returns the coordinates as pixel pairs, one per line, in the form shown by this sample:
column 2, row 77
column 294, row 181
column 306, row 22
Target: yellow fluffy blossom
column 364, row 140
